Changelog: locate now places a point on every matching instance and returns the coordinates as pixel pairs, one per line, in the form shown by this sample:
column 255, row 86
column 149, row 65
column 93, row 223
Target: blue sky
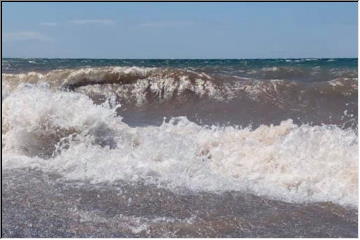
column 179, row 30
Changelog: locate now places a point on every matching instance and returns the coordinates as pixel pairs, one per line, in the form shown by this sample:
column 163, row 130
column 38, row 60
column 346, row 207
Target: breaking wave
column 204, row 97
column 165, row 83
column 50, row 128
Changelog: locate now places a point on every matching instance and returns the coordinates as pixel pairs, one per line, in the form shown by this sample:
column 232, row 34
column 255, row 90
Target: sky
column 179, row 30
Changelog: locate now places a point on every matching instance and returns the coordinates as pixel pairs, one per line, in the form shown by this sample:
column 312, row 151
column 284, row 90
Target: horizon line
column 92, row 58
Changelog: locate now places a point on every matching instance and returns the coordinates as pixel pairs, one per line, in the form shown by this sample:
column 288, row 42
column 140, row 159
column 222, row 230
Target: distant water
column 280, row 130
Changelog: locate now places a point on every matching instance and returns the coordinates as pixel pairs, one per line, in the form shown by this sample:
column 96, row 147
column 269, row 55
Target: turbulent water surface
column 180, row 148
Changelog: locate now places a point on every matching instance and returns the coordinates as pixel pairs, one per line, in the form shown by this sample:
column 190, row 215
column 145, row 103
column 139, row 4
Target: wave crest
column 165, row 83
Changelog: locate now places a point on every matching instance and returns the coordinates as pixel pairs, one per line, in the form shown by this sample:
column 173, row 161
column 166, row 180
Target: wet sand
column 37, row 204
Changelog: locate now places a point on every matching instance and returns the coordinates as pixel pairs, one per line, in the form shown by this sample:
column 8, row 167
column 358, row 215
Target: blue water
column 44, row 64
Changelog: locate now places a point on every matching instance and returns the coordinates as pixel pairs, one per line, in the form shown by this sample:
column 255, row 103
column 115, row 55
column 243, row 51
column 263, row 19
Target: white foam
column 288, row 162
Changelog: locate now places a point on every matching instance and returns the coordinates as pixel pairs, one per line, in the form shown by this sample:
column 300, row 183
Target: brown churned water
column 180, row 148
column 36, row 204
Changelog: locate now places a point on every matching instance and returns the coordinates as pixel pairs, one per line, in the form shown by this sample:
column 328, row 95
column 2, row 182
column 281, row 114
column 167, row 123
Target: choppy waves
column 204, row 97
column 54, row 128
column 165, row 83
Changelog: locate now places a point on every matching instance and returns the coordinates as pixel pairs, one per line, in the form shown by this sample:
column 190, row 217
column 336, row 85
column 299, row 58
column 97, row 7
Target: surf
column 65, row 132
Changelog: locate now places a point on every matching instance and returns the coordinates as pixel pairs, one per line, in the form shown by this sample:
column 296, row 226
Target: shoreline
column 38, row 204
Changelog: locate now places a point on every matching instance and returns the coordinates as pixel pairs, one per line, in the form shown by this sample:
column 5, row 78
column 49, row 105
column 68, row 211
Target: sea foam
column 66, row 133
